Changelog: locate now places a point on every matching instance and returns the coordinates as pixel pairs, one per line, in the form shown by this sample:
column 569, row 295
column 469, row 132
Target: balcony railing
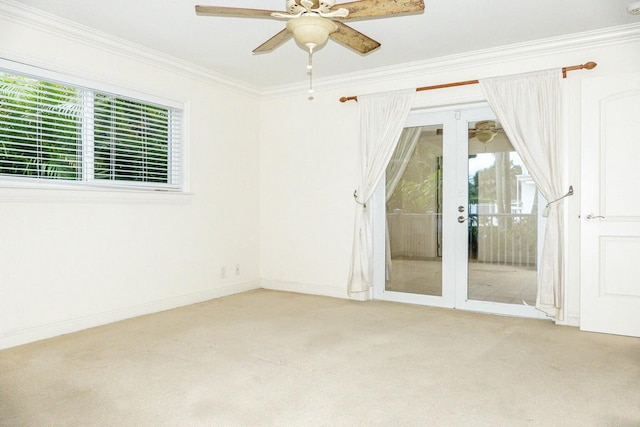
column 507, row 239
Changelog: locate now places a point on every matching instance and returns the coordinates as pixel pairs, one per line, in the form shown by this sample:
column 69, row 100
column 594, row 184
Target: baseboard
column 302, row 288
column 35, row 333
column 573, row 320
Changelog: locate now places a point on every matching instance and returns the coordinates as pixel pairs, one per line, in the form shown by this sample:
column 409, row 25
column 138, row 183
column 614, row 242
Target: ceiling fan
column 311, row 22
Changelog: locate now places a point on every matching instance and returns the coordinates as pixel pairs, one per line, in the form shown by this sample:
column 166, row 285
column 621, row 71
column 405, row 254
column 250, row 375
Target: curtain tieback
column 355, row 197
column 545, row 212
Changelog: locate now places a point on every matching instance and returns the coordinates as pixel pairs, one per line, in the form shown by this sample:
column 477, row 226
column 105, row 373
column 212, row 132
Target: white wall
column 74, row 259
column 308, row 160
column 307, row 173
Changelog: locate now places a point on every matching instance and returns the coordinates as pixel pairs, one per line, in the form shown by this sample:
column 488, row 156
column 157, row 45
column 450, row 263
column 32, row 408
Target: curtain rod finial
column 590, row 65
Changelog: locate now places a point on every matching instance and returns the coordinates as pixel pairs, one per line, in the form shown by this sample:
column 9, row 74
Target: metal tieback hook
column 355, row 197
column 545, row 212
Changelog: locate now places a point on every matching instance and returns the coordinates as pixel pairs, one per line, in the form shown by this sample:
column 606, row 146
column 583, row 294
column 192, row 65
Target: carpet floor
column 267, row 358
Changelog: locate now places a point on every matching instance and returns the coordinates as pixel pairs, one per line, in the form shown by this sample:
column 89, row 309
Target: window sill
column 52, row 194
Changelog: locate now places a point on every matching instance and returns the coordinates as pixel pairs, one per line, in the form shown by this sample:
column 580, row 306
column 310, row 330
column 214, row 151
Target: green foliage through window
column 39, row 129
column 60, row 132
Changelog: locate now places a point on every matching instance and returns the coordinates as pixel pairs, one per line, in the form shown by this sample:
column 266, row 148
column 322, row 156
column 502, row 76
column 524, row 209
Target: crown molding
column 25, row 15
column 21, row 14
column 508, row 53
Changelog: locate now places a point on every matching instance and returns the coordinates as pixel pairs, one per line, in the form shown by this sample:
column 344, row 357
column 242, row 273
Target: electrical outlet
column 223, row 272
column 237, row 269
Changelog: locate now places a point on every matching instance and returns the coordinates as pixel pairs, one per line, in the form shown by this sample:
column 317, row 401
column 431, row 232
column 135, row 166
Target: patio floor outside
column 487, row 281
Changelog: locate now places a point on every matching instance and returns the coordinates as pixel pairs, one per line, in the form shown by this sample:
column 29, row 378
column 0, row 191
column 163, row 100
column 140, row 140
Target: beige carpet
column 266, row 358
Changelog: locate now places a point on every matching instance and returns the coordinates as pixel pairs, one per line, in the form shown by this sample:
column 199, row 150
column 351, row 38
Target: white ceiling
column 224, row 45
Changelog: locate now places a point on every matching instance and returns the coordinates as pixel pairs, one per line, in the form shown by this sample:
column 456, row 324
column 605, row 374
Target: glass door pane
column 503, row 220
column 414, row 213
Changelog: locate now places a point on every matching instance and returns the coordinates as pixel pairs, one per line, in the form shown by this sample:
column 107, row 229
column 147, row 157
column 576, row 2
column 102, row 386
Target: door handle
column 462, row 219
column 592, row 216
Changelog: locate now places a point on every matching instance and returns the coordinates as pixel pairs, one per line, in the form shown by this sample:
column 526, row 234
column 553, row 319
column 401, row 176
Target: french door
column 456, row 222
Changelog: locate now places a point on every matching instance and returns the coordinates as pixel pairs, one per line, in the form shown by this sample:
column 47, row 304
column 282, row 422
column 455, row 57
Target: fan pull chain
column 310, row 73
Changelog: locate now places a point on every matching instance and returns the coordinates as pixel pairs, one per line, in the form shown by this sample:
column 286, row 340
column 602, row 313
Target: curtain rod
column 589, row 66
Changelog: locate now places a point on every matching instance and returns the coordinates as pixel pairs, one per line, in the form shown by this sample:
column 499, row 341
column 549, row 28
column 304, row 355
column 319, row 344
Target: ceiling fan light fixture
column 311, row 30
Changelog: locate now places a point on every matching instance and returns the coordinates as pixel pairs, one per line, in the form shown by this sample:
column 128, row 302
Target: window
column 59, row 133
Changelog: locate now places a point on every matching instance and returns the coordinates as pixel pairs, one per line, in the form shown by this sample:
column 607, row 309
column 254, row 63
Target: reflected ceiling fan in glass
column 485, row 131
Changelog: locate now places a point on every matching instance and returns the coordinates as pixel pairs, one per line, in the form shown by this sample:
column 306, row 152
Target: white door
column 610, row 228
column 461, row 223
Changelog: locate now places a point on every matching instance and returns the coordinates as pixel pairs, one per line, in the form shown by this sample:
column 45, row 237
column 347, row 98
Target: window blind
column 54, row 131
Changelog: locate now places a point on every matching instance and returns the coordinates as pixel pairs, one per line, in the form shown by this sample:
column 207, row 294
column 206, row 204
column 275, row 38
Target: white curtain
column 395, row 170
column 382, row 117
column 528, row 107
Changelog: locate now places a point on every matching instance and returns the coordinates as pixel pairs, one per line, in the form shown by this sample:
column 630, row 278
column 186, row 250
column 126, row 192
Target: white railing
column 414, row 235
column 509, row 239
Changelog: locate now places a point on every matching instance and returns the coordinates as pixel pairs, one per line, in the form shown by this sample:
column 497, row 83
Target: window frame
column 176, row 175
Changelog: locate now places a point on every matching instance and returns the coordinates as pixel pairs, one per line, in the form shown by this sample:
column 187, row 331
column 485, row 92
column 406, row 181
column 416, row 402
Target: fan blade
column 373, row 8
column 274, row 41
column 234, row 11
column 354, row 39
